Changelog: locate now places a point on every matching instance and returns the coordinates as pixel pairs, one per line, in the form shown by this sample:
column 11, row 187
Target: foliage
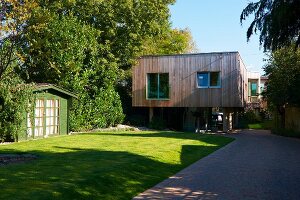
column 14, row 102
column 286, row 132
column 124, row 24
column 13, row 16
column 101, row 165
column 248, row 117
column 283, row 70
column 64, row 51
column 103, row 110
column 173, row 41
column 265, row 124
column 277, row 21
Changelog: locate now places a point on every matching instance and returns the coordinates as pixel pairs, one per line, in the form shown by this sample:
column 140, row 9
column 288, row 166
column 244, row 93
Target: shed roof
column 46, row 86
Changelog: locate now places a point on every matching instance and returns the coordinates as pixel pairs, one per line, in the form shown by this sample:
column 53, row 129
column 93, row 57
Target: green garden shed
column 50, row 113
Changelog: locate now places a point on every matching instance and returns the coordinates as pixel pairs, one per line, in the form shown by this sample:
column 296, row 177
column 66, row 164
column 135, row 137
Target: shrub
column 285, row 132
column 14, row 102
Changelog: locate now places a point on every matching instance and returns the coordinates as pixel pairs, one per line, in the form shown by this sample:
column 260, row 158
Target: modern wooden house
column 51, row 112
column 189, row 88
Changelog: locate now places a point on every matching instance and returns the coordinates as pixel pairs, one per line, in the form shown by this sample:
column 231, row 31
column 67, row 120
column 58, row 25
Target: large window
column 253, row 89
column 208, row 80
column 158, row 86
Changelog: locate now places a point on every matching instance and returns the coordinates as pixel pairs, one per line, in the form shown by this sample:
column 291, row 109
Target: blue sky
column 215, row 26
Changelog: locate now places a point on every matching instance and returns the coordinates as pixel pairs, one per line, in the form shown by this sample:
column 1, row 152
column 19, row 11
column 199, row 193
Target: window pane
column 202, row 78
column 164, row 86
column 215, row 79
column 152, row 85
column 253, row 89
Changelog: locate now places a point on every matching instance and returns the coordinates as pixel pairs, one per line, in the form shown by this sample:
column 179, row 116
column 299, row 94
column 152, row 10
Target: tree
column 64, row 51
column 13, row 16
column 172, row 41
column 283, row 88
column 124, row 24
column 84, row 46
column 277, row 20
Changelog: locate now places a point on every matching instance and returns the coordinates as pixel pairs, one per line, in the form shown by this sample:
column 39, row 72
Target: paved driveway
column 257, row 165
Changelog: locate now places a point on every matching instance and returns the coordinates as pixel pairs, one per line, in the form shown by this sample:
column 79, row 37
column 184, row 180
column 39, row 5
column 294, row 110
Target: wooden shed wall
column 182, row 71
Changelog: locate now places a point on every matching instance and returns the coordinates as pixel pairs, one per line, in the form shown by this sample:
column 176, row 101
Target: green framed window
column 158, row 86
column 253, row 89
column 208, row 80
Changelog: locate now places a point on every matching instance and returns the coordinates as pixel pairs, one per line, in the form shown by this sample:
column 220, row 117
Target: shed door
column 46, row 118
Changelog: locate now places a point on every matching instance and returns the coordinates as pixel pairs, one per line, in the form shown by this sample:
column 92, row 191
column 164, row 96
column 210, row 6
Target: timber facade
column 194, row 83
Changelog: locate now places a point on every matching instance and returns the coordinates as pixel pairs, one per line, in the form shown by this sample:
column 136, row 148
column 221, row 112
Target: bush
column 248, row 117
column 14, row 102
column 102, row 111
column 285, row 132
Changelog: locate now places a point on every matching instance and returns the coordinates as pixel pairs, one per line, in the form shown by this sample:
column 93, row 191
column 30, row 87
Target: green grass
column 101, row 165
column 262, row 125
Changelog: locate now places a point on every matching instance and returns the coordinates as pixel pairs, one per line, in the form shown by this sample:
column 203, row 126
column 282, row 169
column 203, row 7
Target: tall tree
column 283, row 70
column 13, row 16
column 84, row 46
column 278, row 22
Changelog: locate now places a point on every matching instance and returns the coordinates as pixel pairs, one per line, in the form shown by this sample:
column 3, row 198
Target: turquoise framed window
column 208, row 80
column 253, row 89
column 158, row 86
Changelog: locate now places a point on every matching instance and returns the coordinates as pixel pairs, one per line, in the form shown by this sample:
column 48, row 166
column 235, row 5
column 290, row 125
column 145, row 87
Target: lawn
column 101, row 165
column 262, row 125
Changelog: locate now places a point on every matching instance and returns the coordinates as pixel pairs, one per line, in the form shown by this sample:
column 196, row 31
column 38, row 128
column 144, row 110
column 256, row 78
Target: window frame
column 208, row 79
column 158, row 86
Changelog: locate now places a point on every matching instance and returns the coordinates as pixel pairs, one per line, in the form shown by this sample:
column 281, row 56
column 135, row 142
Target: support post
column 150, row 114
column 227, row 120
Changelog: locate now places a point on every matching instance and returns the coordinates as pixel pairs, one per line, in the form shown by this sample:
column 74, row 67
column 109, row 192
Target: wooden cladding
column 183, row 88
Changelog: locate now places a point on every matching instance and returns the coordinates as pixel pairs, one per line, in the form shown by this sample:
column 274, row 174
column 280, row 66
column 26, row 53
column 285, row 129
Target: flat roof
column 191, row 54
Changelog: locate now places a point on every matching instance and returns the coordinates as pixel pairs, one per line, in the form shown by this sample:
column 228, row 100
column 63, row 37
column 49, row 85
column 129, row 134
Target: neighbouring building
column 188, row 90
column 256, row 85
column 51, row 112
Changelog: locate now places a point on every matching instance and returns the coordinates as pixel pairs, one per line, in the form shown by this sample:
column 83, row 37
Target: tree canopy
column 86, row 47
column 278, row 22
column 283, row 70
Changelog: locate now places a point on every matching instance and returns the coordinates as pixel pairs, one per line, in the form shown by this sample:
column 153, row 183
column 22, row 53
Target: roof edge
column 189, row 54
column 45, row 86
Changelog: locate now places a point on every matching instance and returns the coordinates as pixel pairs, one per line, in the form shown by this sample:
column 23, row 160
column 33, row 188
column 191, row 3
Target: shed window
column 39, row 117
column 158, row 86
column 208, row 80
column 52, row 116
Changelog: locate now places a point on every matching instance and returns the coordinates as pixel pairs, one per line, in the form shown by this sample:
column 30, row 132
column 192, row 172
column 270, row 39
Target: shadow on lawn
column 88, row 174
column 210, row 139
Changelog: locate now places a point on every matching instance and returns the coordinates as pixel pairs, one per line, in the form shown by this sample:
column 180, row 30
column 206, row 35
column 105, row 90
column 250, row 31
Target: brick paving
column 257, row 165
